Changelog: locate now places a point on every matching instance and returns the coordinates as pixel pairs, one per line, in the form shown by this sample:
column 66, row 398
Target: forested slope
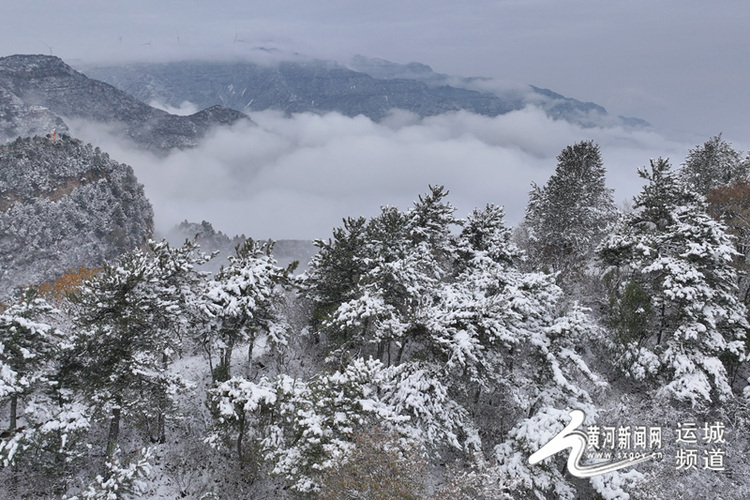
column 419, row 355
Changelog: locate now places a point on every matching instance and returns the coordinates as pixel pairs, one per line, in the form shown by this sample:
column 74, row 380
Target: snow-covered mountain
column 40, row 92
column 64, row 205
column 371, row 87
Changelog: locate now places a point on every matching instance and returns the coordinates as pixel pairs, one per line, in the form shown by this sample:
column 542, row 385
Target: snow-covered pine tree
column 27, row 348
column 713, row 164
column 489, row 336
column 485, row 236
column 481, row 312
column 567, row 217
column 673, row 292
column 244, row 300
column 127, row 328
column 507, row 343
column 429, row 227
column 386, row 272
column 335, row 269
column 43, row 438
column 302, row 428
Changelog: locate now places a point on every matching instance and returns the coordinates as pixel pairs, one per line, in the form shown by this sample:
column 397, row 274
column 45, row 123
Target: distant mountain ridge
column 41, row 92
column 371, row 87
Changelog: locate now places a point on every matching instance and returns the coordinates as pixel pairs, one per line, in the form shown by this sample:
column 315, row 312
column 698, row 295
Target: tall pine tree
column 127, row 322
column 567, row 217
column 27, row 347
column 244, row 300
column 673, row 292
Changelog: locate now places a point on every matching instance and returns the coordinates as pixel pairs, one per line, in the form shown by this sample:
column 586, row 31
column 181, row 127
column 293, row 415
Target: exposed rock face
column 40, row 92
column 17, row 119
column 64, row 205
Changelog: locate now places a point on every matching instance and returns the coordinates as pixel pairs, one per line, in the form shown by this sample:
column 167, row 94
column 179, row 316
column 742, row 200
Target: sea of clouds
column 296, row 177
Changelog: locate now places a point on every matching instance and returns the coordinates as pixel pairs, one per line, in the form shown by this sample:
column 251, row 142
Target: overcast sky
column 682, row 65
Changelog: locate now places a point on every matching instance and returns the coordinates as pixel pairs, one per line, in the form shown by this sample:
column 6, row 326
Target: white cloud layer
column 297, row 177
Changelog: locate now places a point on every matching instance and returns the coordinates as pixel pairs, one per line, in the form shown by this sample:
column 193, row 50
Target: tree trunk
column 207, row 348
column 161, row 427
column 239, row 441
column 225, row 359
column 250, row 349
column 114, row 432
column 13, row 412
column 661, row 324
column 161, row 436
column 400, row 352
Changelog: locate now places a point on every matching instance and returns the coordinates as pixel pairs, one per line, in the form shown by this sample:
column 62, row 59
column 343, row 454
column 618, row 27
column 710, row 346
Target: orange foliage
column 731, row 205
column 67, row 283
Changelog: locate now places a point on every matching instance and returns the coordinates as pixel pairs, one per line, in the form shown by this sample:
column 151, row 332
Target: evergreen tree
column 673, row 292
column 244, row 300
column 46, row 425
column 713, row 164
column 488, row 335
column 551, row 378
column 509, row 343
column 127, row 328
column 485, row 236
column 378, row 305
column 336, row 267
column 27, row 349
column 567, row 217
column 302, row 429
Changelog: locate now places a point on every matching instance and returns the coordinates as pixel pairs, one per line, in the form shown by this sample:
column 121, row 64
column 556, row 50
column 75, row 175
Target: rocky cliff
column 64, row 205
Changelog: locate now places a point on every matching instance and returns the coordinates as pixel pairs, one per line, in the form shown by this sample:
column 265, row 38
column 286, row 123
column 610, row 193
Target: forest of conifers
column 419, row 355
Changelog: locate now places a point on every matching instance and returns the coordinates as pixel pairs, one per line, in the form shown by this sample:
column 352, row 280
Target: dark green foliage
column 388, row 266
column 127, row 320
column 338, row 260
column 631, row 312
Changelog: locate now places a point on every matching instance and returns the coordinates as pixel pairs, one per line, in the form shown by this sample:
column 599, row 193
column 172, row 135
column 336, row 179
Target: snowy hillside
column 418, row 356
column 64, row 205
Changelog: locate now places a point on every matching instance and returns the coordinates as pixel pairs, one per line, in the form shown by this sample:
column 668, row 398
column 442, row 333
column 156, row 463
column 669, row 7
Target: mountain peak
column 382, row 68
column 34, row 66
column 37, row 90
